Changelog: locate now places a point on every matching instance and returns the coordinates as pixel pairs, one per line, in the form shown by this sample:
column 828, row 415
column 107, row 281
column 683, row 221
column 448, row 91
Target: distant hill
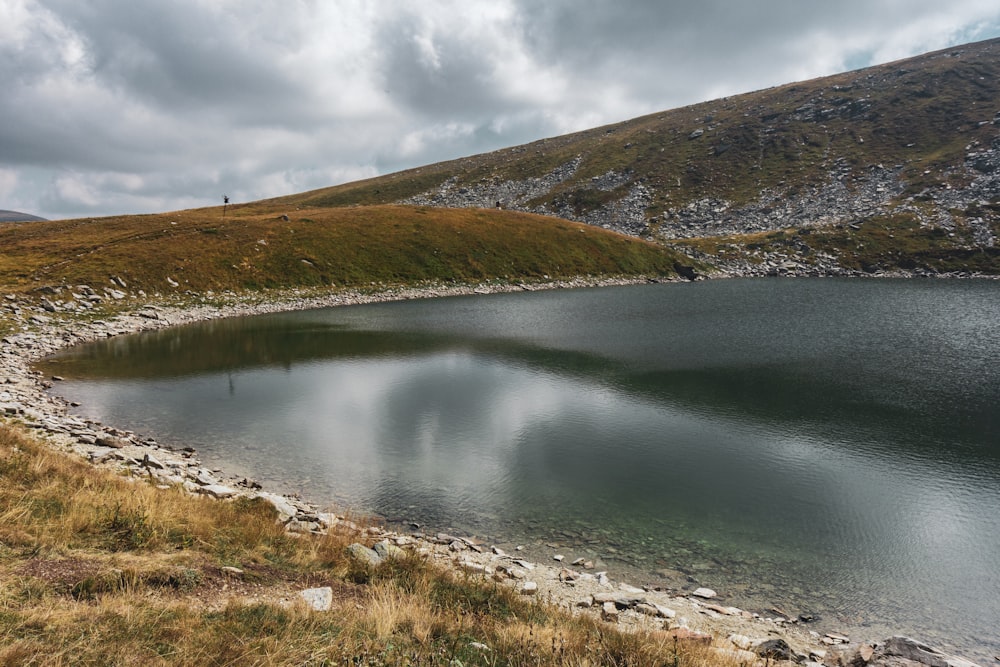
column 15, row 216
column 911, row 146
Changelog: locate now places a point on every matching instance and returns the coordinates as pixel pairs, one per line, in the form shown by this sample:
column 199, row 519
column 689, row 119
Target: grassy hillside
column 270, row 246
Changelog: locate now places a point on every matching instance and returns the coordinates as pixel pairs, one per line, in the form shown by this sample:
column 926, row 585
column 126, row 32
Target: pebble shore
column 63, row 318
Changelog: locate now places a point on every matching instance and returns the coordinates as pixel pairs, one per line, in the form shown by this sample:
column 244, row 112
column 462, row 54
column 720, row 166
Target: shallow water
column 822, row 446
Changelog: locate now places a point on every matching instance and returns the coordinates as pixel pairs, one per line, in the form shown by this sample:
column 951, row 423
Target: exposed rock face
column 830, row 152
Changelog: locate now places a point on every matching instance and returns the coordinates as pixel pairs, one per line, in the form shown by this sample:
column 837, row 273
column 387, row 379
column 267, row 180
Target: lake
column 824, row 446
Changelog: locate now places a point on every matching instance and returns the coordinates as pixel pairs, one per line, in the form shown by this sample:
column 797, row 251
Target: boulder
column 915, row 651
column 217, row 491
column 774, row 649
column 706, row 593
column 363, row 554
column 387, row 550
column 284, row 508
column 319, row 599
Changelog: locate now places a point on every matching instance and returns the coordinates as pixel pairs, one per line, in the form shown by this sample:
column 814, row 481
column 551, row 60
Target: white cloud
column 8, row 183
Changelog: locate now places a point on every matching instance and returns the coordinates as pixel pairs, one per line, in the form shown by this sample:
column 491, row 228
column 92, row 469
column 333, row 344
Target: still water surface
column 823, row 446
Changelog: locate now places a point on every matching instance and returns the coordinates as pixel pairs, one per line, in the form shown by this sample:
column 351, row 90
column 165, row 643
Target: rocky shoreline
column 58, row 321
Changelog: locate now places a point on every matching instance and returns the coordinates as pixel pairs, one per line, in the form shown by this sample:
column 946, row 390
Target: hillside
column 267, row 245
column 912, row 146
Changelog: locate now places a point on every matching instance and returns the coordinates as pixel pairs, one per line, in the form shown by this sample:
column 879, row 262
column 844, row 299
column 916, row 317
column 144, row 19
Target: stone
column 568, row 576
column 647, row 609
column 705, row 593
column 364, row 555
column 284, row 508
column 774, row 649
column 741, row 641
column 665, row 612
column 529, row 588
column 911, row 649
column 111, row 441
column 297, row 526
column 151, row 462
column 387, row 550
column 217, row 491
column 319, row 599
column 232, row 571
column 609, row 611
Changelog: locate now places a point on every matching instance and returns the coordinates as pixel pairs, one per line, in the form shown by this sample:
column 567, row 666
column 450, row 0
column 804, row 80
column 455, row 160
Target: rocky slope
column 912, row 141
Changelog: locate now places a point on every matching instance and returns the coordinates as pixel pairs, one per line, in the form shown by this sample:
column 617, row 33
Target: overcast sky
column 135, row 106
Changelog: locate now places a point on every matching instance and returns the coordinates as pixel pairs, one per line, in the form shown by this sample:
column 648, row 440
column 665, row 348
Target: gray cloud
column 112, row 106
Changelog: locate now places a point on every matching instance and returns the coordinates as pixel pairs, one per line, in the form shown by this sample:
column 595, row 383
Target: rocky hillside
column 914, row 143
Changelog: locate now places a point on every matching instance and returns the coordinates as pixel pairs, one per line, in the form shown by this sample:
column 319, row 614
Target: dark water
column 822, row 446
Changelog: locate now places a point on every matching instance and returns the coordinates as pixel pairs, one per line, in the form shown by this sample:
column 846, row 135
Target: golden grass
column 96, row 569
column 265, row 245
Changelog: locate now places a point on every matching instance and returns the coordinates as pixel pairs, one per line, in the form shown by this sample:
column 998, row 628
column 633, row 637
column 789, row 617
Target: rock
column 111, row 441
column 725, row 611
column 232, row 571
column 297, row 526
column 284, row 508
column 609, row 611
column 319, row 599
column 217, row 491
column 705, row 593
column 386, row 550
column 741, row 641
column 774, row 649
column 647, row 609
column 911, row 649
column 568, row 576
column 151, row 462
column 665, row 612
column 363, row 554
column 529, row 588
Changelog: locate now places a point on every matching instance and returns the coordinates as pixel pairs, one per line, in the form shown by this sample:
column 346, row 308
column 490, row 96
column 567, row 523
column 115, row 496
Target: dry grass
column 266, row 245
column 104, row 570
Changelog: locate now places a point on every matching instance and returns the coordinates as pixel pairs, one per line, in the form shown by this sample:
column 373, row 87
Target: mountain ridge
column 914, row 141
